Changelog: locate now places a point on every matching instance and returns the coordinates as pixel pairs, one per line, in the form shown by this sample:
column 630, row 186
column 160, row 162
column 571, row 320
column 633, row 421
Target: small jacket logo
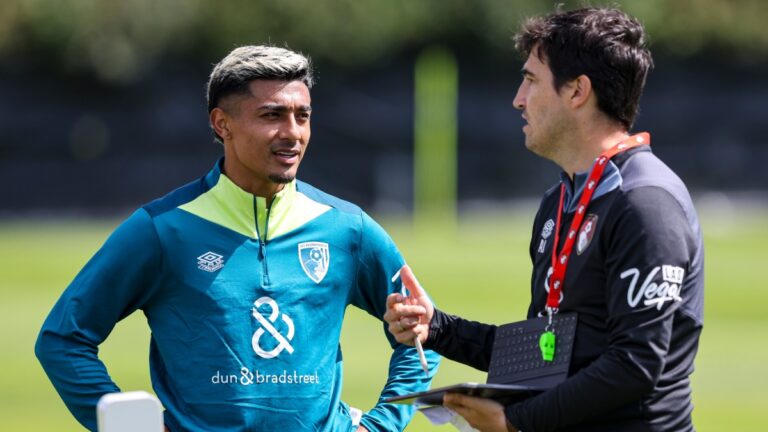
column 546, row 231
column 314, row 258
column 210, row 262
column 586, row 233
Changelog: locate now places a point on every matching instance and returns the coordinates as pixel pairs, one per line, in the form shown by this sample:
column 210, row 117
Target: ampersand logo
column 246, row 376
column 283, row 342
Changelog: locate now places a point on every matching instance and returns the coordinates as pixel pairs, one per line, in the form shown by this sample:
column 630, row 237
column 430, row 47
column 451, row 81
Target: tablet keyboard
column 516, row 356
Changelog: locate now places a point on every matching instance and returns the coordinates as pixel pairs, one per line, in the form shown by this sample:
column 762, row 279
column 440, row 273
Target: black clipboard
column 516, row 371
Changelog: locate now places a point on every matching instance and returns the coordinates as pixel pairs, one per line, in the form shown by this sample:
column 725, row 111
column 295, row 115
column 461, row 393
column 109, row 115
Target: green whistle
column 547, row 345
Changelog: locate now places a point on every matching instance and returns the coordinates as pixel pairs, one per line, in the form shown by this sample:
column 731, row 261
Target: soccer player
column 244, row 276
column 617, row 241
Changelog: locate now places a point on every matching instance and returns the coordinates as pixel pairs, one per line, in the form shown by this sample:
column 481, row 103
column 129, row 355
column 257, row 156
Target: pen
column 416, row 341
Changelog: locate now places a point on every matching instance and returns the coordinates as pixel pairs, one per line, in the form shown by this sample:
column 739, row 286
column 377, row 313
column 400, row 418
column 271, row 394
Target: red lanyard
column 560, row 264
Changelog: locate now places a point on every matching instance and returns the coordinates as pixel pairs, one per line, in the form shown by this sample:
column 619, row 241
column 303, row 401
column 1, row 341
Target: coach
column 617, row 241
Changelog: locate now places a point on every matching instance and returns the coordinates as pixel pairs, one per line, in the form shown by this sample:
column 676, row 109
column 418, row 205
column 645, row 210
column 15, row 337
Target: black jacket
column 636, row 278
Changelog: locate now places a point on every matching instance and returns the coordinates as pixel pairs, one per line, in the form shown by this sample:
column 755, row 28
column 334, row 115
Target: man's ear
column 220, row 122
column 580, row 90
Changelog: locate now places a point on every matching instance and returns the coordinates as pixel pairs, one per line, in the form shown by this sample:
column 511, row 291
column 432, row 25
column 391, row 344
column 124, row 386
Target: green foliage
column 119, row 40
column 481, row 273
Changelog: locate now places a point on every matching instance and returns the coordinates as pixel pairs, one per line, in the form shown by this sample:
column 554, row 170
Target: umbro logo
column 546, row 231
column 210, row 262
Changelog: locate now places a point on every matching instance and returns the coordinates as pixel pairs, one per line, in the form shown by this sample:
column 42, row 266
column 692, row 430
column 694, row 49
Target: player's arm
column 651, row 232
column 116, row 281
column 379, row 261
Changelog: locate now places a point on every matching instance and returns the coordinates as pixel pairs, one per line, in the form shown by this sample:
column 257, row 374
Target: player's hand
column 361, row 429
column 410, row 316
column 485, row 415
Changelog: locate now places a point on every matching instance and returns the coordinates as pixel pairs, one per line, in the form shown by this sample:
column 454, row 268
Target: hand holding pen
column 408, row 316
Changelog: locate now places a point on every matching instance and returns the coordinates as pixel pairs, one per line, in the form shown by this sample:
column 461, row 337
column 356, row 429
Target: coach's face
column 265, row 134
column 544, row 110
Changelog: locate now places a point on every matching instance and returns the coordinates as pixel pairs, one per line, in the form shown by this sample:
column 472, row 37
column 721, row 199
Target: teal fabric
column 244, row 337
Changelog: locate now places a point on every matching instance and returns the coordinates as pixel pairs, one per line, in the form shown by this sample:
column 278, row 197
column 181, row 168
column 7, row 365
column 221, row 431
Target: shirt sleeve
column 467, row 342
column 379, row 261
column 649, row 251
column 118, row 279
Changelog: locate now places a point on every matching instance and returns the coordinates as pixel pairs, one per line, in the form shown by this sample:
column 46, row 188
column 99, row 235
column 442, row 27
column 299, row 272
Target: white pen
column 416, row 341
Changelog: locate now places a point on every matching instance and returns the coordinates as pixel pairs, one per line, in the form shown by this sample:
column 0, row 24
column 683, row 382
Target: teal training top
column 245, row 303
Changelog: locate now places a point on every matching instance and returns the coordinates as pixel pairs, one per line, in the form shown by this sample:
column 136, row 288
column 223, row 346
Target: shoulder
column 176, row 198
column 370, row 232
column 185, row 193
column 649, row 186
column 321, row 197
column 640, row 168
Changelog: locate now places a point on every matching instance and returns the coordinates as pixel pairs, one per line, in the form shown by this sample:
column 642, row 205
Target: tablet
column 506, row 393
column 517, row 369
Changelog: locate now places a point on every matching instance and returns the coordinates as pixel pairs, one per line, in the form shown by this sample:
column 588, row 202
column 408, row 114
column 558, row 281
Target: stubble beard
column 281, row 178
column 549, row 142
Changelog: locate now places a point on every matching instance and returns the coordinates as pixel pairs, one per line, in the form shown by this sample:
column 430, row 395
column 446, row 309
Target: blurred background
column 102, row 108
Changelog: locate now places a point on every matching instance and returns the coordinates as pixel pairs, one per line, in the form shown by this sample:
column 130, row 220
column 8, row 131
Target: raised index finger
column 411, row 283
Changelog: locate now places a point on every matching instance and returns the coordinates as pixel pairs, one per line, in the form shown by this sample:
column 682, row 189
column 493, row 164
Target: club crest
column 586, row 233
column 314, row 258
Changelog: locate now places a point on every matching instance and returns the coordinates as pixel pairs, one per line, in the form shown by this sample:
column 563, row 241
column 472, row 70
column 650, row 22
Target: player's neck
column 247, row 181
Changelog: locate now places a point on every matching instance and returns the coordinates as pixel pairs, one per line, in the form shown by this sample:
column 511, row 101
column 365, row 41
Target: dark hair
column 605, row 44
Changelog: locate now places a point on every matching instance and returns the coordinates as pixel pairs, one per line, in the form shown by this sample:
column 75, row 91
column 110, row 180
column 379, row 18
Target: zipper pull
column 262, row 249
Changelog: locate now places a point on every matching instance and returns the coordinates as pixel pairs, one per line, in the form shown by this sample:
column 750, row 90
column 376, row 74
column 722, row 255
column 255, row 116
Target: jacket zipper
column 262, row 239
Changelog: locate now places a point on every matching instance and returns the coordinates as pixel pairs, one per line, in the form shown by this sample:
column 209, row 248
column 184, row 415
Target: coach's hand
column 410, row 316
column 485, row 415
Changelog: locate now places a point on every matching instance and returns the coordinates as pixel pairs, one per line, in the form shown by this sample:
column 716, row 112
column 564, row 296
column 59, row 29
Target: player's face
column 544, row 110
column 268, row 133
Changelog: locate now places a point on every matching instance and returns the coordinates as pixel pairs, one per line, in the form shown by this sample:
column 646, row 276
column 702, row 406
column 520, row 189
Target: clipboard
column 517, row 370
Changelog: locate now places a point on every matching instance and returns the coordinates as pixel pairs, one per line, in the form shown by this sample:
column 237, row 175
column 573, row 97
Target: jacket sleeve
column 379, row 261
column 118, row 279
column 461, row 340
column 649, row 251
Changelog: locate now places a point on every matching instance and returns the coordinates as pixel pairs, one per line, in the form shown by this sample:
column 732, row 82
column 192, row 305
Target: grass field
column 481, row 272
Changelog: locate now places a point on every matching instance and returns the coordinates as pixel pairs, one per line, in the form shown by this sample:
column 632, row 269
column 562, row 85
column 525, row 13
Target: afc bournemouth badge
column 586, row 233
column 314, row 258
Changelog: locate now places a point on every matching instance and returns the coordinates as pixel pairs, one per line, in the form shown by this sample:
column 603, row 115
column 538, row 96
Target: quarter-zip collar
column 226, row 204
column 610, row 180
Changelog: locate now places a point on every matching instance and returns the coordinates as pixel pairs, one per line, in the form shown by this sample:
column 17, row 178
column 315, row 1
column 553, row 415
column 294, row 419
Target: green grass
column 481, row 272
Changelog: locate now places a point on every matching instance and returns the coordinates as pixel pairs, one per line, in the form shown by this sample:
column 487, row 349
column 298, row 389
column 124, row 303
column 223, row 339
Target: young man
column 617, row 241
column 244, row 276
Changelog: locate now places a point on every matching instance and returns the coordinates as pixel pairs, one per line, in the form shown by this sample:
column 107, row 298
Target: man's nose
column 519, row 101
column 290, row 129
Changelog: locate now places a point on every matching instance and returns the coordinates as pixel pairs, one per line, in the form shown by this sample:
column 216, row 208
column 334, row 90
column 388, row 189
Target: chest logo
column 546, row 231
column 314, row 258
column 210, row 262
column 586, row 233
column 266, row 323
